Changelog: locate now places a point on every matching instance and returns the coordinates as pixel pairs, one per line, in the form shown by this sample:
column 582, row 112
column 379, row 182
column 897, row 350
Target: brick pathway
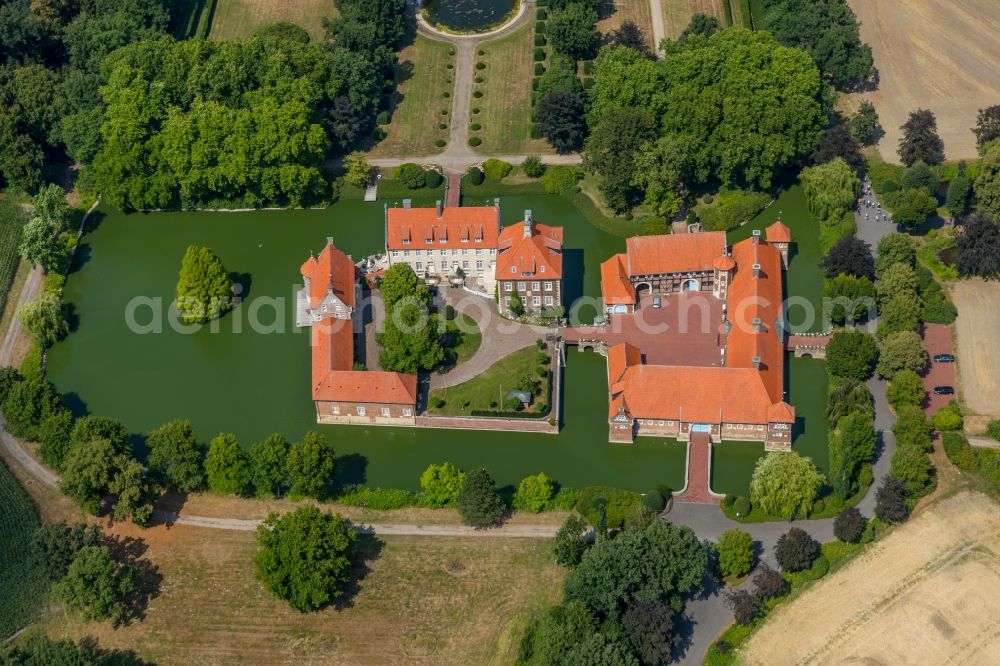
column 699, row 462
column 454, row 190
column 937, row 340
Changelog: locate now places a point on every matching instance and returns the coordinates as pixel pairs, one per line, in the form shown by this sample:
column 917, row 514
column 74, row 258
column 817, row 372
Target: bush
column 442, row 126
column 475, row 110
column 890, row 501
column 475, row 141
column 539, row 40
column 411, row 175
column 432, row 178
column 31, row 366
column 540, row 27
column 560, row 179
column 565, row 499
column 818, row 507
column 539, row 53
column 617, row 504
column 742, row 507
column 440, row 143
column 382, row 118
column 496, row 169
column 541, row 14
column 476, row 176
column 380, row 499
column 475, row 127
column 539, row 69
column 745, row 605
column 796, row 550
column 533, row 167
column 570, row 542
column 730, row 209
column 534, row 493
column 480, row 65
column 993, row 429
column 849, row 525
column 654, row 501
column 479, row 503
column 441, row 484
column 906, row 388
column 959, row 452
column 947, row 418
column 588, row 82
column 769, row 583
column 819, row 568
column 446, row 94
column 536, row 132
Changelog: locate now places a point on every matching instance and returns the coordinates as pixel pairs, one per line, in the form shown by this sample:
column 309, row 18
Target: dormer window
column 406, row 241
column 513, row 269
column 541, row 269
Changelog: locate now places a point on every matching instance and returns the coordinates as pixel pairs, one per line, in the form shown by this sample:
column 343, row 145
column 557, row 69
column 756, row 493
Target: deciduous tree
column 44, row 318
column 864, row 124
column 890, row 501
column 479, row 503
column 851, row 353
column 88, row 472
column 96, row 586
column 920, row 139
column 270, row 466
column 849, row 255
column 978, row 248
column 561, row 120
column 227, row 466
column 204, row 290
column 895, row 248
column 311, row 462
column 610, row 152
column 570, row 542
column 305, row 557
column 796, row 550
column 906, row 388
column 573, row 31
column 831, row 189
column 534, row 493
column 134, row 491
column 735, row 552
column 901, row 351
column 987, row 125
column 54, row 545
column 849, row 525
column 988, row 183
column 785, row 484
column 441, row 484
column 174, row 455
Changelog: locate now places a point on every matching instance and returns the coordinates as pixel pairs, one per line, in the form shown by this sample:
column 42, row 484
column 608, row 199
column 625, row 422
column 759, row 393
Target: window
column 548, row 286
column 395, row 253
column 479, row 250
column 406, row 253
column 549, row 301
column 659, row 423
column 444, row 252
column 520, row 286
column 536, row 300
column 406, row 241
column 508, row 286
column 454, row 251
column 335, row 409
column 464, row 251
column 479, row 265
column 541, row 269
column 760, row 427
column 670, row 423
column 465, row 240
column 739, row 426
column 535, row 286
column 513, row 269
column 506, row 301
column 465, row 264
column 385, row 411
column 444, row 264
column 361, row 410
column 407, row 411
column 493, row 250
column 419, row 265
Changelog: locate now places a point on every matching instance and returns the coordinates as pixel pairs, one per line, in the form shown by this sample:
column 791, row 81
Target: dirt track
column 942, row 55
column 927, row 594
column 978, row 321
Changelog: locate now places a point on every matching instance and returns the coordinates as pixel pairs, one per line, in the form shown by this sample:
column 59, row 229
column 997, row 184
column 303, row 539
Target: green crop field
column 23, row 586
column 12, row 219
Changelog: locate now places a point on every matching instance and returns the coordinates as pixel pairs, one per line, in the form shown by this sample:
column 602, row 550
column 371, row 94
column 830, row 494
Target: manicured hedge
column 539, row 40
column 742, row 506
column 540, row 27
column 539, row 69
column 479, row 79
column 536, row 133
column 539, row 55
column 442, row 125
column 541, row 14
column 381, row 499
column 588, row 67
column 477, row 94
column 480, row 65
column 618, row 504
column 475, row 127
column 440, row 143
column 476, row 176
column 432, row 177
column 588, row 82
column 475, row 141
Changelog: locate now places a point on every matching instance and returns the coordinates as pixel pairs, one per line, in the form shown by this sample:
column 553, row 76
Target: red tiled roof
column 332, row 348
column 421, row 228
column 615, row 286
column 675, row 253
column 621, row 358
column 376, row 386
column 724, row 263
column 539, row 255
column 333, row 269
column 778, row 233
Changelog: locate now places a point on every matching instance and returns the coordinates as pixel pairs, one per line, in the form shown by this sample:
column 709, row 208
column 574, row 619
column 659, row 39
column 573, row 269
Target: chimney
column 407, row 204
column 496, row 205
column 756, row 271
column 329, row 240
column 756, row 324
column 756, row 236
column 756, row 362
column 528, row 222
column 440, row 209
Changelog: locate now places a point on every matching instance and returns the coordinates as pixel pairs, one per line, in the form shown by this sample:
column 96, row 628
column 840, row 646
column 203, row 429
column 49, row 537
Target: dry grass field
column 978, row 326
column 425, row 78
column 423, row 599
column 941, row 55
column 677, row 13
column 239, row 18
column 505, row 107
column 929, row 593
column 613, row 14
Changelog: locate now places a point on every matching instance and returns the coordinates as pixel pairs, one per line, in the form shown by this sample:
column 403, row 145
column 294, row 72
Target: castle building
column 744, row 398
column 342, row 394
column 530, row 265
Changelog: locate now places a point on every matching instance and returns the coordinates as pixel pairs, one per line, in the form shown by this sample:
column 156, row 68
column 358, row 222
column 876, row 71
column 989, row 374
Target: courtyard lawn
column 505, row 107
column 235, row 19
column 488, row 390
column 469, row 337
column 253, row 380
column 424, row 78
column 804, row 278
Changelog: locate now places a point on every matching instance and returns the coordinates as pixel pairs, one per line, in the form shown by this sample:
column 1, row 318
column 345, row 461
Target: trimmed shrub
column 947, row 418
column 450, row 66
column 735, row 551
column 539, row 40
column 534, row 493
column 588, row 67
column 539, row 54
column 444, row 112
column 479, row 79
column 476, row 175
column 541, row 14
column 477, row 94
column 480, row 65
column 617, row 504
column 475, row 110
column 496, row 169
column 588, row 82
column 540, row 27
column 432, row 178
column 446, row 94
column 442, row 126
column 440, row 143
column 475, row 141
column 532, row 167
column 411, row 175
column 475, row 127
column 539, row 69
column 481, row 52
column 819, row 568
column 654, row 501
column 559, row 179
column 742, row 507
column 441, row 484
column 536, row 133
column 818, row 506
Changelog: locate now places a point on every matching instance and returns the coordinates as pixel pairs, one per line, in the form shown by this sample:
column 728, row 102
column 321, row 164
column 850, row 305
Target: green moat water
column 468, row 15
column 253, row 383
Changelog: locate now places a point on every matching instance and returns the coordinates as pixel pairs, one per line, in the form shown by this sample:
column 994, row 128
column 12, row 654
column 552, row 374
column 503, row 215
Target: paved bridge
column 808, row 345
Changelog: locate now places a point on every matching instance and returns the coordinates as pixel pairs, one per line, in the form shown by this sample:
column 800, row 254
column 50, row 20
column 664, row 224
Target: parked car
column 657, row 302
column 944, row 390
column 944, row 358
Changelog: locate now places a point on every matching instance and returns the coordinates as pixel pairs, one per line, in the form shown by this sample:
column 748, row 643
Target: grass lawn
column 234, row 19
column 505, row 107
column 677, row 13
column 418, row 101
column 488, row 390
column 435, row 600
column 613, row 14
column 469, row 337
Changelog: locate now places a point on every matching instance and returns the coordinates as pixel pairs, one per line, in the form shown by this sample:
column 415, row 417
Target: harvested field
column 234, row 19
column 977, row 327
column 941, row 55
column 432, row 600
column 677, row 13
column 929, row 593
column 614, row 14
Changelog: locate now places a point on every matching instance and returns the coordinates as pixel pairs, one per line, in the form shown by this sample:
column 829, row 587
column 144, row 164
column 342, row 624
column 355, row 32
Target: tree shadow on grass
column 112, row 657
column 129, row 551
column 367, row 549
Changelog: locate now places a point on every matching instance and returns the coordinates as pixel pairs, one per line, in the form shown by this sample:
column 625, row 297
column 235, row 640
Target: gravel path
column 30, row 289
column 659, row 34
